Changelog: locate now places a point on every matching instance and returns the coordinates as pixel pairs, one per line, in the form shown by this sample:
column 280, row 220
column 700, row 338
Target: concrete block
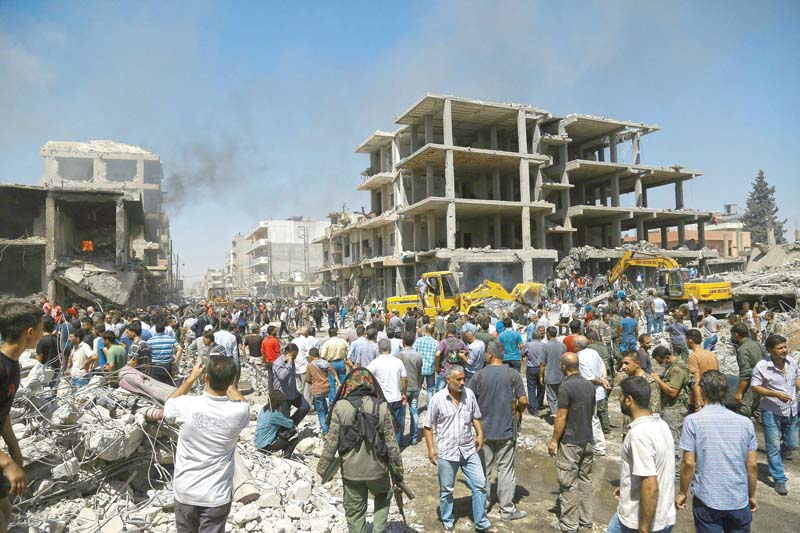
column 115, row 525
column 270, row 498
column 114, row 444
column 246, row 514
column 294, row 511
column 67, row 470
column 300, row 491
column 306, row 445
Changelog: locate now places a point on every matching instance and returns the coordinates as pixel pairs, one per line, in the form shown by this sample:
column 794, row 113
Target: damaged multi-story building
column 497, row 191
column 94, row 231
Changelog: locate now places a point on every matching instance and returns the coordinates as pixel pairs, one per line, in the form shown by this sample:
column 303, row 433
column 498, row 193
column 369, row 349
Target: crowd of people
column 477, row 376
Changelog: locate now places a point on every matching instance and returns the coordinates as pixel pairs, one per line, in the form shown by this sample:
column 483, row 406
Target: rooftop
column 97, row 147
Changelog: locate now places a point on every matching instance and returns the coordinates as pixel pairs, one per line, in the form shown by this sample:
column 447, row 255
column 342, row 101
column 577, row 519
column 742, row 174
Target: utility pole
column 302, row 231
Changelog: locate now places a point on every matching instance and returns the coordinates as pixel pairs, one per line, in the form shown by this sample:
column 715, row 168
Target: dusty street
column 537, row 488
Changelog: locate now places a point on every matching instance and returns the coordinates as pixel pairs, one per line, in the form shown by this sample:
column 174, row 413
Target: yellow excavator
column 443, row 294
column 673, row 283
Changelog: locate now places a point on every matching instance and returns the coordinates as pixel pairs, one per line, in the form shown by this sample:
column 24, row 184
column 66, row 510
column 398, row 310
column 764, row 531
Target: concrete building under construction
column 498, row 191
column 95, row 230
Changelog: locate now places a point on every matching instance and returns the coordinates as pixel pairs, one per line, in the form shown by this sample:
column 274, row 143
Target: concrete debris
column 99, row 463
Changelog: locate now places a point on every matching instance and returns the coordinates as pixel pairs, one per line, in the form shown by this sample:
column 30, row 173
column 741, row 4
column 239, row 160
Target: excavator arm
column 643, row 259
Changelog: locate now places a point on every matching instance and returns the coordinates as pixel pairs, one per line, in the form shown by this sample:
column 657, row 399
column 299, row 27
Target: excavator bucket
column 528, row 293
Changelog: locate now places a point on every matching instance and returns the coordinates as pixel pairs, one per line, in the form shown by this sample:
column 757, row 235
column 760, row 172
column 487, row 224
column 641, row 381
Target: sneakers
column 781, row 489
column 516, row 515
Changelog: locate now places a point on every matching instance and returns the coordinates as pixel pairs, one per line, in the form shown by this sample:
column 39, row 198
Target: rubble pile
column 100, row 459
column 783, row 280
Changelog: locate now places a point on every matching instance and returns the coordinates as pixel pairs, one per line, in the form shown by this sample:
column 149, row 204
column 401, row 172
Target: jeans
column 501, row 453
column 331, row 323
column 193, row 518
column 399, row 411
column 321, row 407
column 441, row 382
column 659, row 322
column 430, row 382
column 615, row 526
column 708, row 520
column 354, row 499
column 693, row 317
column 535, row 391
column 476, row 480
column 341, row 322
column 341, row 371
column 302, row 409
column 779, row 432
column 412, row 398
column 710, row 343
column 650, row 323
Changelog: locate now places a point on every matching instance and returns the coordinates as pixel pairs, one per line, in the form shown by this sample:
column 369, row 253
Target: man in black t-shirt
column 21, row 327
column 572, row 445
column 47, row 347
column 253, row 342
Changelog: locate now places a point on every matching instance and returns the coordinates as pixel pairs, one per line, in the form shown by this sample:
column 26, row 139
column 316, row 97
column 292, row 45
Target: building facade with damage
column 284, row 258
column 496, row 191
column 94, row 231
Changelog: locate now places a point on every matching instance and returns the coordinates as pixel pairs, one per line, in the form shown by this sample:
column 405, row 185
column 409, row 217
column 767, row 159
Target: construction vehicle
column 443, row 294
column 673, row 283
column 217, row 295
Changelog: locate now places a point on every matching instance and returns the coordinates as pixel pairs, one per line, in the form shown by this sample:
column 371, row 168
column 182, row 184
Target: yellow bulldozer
column 672, row 281
column 443, row 294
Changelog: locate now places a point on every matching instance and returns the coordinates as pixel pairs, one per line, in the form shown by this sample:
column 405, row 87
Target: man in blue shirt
column 274, row 430
column 719, row 460
column 164, row 351
column 512, row 344
column 630, row 330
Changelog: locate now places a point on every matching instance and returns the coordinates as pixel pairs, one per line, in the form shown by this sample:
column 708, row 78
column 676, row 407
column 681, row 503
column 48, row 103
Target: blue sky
column 276, row 96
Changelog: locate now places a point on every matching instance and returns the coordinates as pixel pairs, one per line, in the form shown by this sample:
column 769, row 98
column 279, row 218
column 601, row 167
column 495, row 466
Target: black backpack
column 366, row 427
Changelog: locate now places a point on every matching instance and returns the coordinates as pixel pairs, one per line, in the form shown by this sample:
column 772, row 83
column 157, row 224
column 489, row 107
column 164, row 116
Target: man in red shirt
column 574, row 331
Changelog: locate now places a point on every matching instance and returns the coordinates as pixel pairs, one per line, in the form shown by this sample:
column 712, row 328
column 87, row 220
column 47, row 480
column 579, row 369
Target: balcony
column 260, row 243
column 261, row 279
column 259, row 261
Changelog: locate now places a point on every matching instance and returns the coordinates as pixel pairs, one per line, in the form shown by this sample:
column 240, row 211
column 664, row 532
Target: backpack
column 453, row 348
column 366, row 427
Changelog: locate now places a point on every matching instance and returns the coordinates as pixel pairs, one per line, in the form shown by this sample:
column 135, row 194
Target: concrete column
column 541, row 238
column 581, row 194
column 615, row 190
column 383, row 159
column 48, row 283
column 526, row 227
column 616, row 232
column 522, row 132
column 679, row 194
column 447, row 122
column 414, row 142
column 429, row 188
column 498, row 235
column 451, row 225
column 493, row 137
column 664, row 237
column 565, row 203
column 431, row 231
column 681, row 234
column 121, row 242
column 603, row 195
column 701, row 233
column 566, row 243
column 538, row 194
column 395, row 152
column 496, row 192
column 637, row 188
column 601, row 154
column 428, row 129
column 100, row 169
column 640, row 232
column 637, row 152
column 417, row 234
column 399, row 284
column 449, row 175
column 613, row 139
column 413, row 198
column 562, row 155
column 527, row 270
column 536, row 138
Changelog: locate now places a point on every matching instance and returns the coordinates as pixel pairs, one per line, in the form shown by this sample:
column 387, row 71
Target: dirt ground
column 537, row 488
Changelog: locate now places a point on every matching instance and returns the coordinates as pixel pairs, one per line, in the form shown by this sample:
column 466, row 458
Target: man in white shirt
column 565, row 315
column 593, row 369
column 391, row 374
column 646, row 491
column 210, row 426
column 659, row 308
column 422, row 291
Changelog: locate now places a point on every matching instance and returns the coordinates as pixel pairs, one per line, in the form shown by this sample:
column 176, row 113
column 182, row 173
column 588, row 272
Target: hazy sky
column 271, row 99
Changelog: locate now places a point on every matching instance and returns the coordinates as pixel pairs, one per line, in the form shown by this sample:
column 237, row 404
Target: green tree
column 762, row 212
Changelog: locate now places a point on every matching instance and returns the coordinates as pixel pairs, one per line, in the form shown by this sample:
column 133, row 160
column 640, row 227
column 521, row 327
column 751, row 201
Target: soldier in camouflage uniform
column 748, row 353
column 674, row 386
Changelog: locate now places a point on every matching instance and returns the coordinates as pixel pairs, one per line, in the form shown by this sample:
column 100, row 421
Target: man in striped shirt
column 452, row 413
column 164, row 351
column 426, row 346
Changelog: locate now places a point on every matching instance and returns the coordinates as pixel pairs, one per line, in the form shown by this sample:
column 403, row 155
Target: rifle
column 333, row 466
column 398, row 489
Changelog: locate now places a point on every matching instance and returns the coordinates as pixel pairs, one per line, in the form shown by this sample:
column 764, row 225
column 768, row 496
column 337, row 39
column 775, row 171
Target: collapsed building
column 498, row 191
column 94, row 231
